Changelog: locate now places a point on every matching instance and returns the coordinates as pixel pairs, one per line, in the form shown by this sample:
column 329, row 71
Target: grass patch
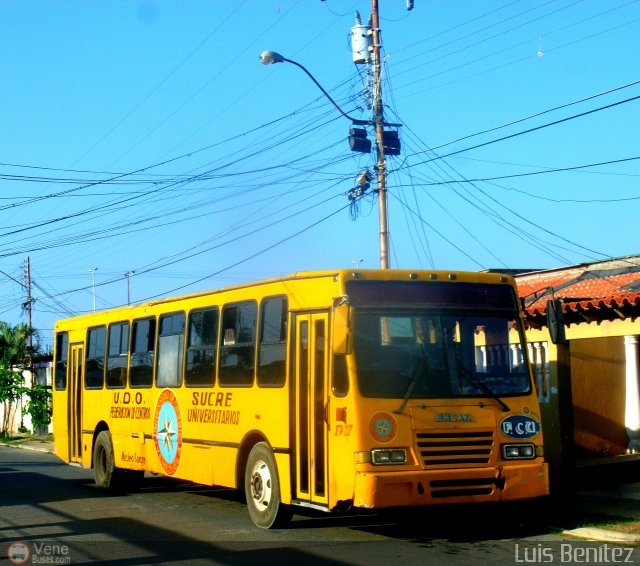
column 630, row 526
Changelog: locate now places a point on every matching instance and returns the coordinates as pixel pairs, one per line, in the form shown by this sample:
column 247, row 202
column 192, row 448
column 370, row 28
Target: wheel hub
column 261, row 485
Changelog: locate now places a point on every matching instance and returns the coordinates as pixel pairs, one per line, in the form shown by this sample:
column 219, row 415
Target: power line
column 523, row 132
column 534, row 173
column 519, row 44
column 538, row 114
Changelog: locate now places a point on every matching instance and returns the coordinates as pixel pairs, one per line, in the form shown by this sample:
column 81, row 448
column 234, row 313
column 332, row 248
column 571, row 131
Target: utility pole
column 365, row 43
column 27, row 277
column 378, row 118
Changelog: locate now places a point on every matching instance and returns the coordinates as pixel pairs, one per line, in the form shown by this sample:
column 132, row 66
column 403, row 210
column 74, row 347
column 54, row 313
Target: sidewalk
column 606, row 494
column 608, row 491
column 39, row 443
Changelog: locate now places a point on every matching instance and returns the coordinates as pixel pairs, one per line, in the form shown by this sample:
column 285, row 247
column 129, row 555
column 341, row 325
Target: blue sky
column 146, row 137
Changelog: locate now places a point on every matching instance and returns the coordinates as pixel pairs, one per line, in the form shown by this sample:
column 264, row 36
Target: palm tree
column 16, row 344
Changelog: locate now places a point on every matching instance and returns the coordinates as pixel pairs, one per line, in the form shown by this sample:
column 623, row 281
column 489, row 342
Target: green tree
column 18, row 345
column 11, row 389
column 39, row 404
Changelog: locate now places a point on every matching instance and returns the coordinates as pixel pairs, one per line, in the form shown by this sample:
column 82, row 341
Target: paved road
column 58, row 515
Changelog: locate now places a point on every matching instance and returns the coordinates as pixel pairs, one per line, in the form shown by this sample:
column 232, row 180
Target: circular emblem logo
column 520, row 427
column 19, row 552
column 383, row 427
column 167, row 428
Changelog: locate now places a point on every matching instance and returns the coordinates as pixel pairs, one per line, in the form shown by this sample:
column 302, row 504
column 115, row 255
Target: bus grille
column 446, row 449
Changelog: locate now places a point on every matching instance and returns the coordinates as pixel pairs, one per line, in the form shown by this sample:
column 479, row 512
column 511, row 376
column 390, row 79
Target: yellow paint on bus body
column 187, row 387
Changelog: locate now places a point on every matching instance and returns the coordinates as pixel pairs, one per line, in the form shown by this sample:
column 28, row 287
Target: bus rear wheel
column 104, row 468
column 263, row 489
column 105, row 473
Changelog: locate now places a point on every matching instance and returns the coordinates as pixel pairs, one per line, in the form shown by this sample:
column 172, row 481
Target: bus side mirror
column 342, row 335
column 555, row 322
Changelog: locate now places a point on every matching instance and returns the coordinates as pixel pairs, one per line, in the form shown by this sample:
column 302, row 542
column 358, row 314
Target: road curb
column 603, row 535
column 29, row 447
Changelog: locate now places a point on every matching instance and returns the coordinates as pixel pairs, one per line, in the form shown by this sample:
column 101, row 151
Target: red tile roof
column 605, row 290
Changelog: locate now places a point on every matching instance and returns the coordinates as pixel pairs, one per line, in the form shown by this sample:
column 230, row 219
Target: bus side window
column 201, row 348
column 117, row 354
column 62, row 350
column 273, row 342
column 143, row 343
column 170, row 350
column 237, row 350
column 94, row 365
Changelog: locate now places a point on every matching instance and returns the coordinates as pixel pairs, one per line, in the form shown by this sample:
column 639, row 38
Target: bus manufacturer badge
column 383, row 427
column 167, row 428
column 520, row 426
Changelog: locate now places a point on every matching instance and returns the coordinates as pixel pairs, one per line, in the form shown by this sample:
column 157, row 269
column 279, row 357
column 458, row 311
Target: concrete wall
column 598, row 383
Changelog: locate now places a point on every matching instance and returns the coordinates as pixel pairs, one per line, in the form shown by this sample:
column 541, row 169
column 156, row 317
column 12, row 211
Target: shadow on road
column 40, row 483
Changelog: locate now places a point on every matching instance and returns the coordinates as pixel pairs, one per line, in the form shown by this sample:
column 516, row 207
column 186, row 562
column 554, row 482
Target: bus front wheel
column 263, row 489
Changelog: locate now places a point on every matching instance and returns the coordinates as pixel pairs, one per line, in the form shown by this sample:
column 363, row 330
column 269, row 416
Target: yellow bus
column 329, row 390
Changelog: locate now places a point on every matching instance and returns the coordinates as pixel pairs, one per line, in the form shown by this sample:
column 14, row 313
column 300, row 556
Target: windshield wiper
column 477, row 382
column 410, row 387
column 421, row 370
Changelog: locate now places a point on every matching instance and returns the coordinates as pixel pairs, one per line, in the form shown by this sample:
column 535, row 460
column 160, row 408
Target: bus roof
column 340, row 275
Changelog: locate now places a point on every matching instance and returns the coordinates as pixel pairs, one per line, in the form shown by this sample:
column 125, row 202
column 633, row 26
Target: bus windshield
column 443, row 354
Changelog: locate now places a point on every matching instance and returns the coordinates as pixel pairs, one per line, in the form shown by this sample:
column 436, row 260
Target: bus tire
column 262, row 489
column 105, row 472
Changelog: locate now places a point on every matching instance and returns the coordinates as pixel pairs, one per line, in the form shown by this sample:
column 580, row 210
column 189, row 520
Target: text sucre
column 205, row 408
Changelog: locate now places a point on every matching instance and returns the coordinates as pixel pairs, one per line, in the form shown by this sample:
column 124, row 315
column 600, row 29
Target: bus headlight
column 518, row 451
column 381, row 456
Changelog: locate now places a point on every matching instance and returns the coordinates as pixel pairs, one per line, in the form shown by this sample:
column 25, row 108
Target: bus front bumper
column 397, row 488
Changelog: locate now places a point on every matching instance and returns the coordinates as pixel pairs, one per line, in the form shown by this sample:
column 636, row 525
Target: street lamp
column 357, row 137
column 93, row 285
column 271, row 57
column 128, row 275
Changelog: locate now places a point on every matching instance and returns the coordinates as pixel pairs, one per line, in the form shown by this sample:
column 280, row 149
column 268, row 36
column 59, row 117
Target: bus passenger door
column 76, row 363
column 311, row 368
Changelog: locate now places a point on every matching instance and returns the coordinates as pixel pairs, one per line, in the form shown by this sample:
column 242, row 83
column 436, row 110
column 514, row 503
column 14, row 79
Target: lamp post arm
column 353, row 120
